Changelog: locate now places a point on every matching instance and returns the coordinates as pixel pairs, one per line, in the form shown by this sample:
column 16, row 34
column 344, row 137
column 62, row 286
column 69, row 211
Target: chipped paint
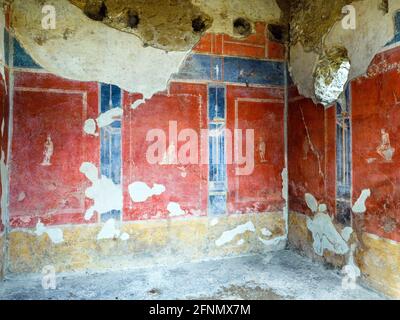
column 214, row 222
column 108, row 117
column 140, row 191
column 107, row 196
column 266, row 232
column 55, row 234
column 277, row 243
column 311, row 202
column 109, row 231
column 359, row 206
column 351, row 271
column 89, row 127
column 175, row 210
column 228, row 236
column 137, row 103
column 325, row 235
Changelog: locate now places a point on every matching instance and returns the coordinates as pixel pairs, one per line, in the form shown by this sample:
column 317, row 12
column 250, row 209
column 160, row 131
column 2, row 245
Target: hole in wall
column 199, row 24
column 384, row 6
column 278, row 32
column 95, row 10
column 242, row 27
column 133, row 19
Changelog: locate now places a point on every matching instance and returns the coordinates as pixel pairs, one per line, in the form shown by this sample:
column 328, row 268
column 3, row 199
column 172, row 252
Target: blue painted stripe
column 7, row 46
column 249, row 71
column 233, row 69
column 110, row 141
column 22, row 59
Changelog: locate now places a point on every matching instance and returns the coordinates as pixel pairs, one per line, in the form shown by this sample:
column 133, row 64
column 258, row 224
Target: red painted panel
column 330, row 158
column 263, row 111
column 47, row 105
column 4, row 117
column 376, row 103
column 306, row 153
column 185, row 184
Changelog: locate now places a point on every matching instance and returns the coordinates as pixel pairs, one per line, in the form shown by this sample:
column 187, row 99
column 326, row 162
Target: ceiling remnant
column 169, row 25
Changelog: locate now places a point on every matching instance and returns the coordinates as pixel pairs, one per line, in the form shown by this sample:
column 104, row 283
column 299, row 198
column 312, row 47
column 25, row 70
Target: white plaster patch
column 109, row 231
column 277, row 243
column 21, row 196
column 240, row 242
column 140, row 191
column 175, row 210
column 108, row 117
column 124, row 236
column 107, row 196
column 346, row 233
column 266, row 232
column 90, row 127
column 325, row 235
column 137, row 103
column 214, row 222
column 351, row 271
column 312, row 203
column 359, row 206
column 55, row 234
column 322, row 207
column 228, row 236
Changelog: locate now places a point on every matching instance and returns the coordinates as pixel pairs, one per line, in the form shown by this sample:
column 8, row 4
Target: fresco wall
column 354, row 143
column 84, row 194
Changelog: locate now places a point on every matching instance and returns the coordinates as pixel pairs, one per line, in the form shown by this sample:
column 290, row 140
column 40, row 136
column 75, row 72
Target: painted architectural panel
column 260, row 111
column 48, row 147
column 375, row 122
column 184, row 184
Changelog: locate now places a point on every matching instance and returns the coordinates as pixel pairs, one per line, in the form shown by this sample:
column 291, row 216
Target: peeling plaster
column 277, row 243
column 359, row 206
column 325, row 235
column 110, row 231
column 351, row 271
column 140, row 191
column 103, row 120
column 311, row 202
column 106, row 195
column 175, row 210
column 266, row 232
column 228, row 236
column 55, row 234
column 373, row 30
column 93, row 51
column 214, row 222
column 137, row 103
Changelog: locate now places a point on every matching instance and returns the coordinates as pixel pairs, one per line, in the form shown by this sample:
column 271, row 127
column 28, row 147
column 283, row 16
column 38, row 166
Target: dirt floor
column 274, row 276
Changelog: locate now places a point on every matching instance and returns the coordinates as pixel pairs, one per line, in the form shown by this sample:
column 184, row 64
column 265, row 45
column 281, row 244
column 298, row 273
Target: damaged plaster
column 107, row 196
column 175, row 209
column 167, row 25
column 103, row 120
column 359, row 205
column 324, row 232
column 140, row 191
column 228, row 236
column 110, row 231
column 92, row 51
column 83, row 49
column 320, row 27
column 55, row 234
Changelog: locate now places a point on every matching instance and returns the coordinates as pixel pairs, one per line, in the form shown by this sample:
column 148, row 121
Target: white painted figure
column 262, row 149
column 385, row 150
column 48, row 151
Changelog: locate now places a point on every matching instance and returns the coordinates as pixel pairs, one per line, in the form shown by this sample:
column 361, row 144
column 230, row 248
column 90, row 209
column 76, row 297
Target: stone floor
column 275, row 276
